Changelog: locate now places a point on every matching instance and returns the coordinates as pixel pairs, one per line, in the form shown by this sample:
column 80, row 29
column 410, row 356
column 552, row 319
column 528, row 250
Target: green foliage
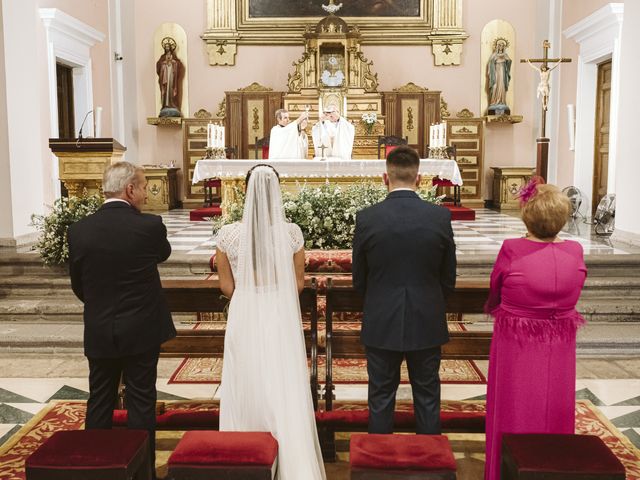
column 326, row 214
column 52, row 244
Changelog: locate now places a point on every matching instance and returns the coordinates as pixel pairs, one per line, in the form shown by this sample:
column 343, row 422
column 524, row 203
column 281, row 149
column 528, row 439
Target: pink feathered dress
column 532, row 365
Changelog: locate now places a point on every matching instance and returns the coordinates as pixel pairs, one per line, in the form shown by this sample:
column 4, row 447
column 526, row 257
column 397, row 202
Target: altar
column 296, row 172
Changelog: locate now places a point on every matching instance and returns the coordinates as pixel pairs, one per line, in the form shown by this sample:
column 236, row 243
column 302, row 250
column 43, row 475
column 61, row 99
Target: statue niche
column 170, row 72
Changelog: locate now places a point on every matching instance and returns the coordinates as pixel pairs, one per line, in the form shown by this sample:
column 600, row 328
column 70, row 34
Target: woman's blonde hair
column 546, row 212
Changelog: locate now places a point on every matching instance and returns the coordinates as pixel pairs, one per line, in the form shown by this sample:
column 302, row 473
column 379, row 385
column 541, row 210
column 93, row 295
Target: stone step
column 601, row 339
column 35, row 286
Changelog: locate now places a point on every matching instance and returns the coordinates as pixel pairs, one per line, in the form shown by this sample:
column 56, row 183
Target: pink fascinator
column 529, row 191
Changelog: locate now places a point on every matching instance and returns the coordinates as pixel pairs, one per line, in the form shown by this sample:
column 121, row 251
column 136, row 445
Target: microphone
column 81, row 127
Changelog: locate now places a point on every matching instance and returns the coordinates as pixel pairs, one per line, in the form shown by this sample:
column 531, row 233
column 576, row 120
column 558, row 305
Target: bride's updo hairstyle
column 246, row 180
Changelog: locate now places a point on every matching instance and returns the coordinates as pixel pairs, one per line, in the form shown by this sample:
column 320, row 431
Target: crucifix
column 322, row 148
column 546, row 66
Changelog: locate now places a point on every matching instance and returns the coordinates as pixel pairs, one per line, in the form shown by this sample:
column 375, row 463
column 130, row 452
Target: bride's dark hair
column 246, row 180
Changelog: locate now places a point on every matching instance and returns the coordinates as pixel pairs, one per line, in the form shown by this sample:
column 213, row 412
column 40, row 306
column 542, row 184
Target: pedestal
column 542, row 157
column 162, row 187
column 507, row 182
column 83, row 161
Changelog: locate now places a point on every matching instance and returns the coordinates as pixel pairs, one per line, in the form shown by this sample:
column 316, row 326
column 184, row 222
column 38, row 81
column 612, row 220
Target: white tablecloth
column 227, row 169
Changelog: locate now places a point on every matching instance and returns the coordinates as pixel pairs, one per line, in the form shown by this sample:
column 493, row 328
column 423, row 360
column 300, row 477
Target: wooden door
column 601, row 150
column 64, row 79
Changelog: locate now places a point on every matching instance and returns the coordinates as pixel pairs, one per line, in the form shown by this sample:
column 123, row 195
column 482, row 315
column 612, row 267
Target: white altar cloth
column 227, row 169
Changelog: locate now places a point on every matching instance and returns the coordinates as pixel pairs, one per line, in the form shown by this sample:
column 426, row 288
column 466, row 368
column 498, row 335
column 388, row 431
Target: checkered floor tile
column 484, row 236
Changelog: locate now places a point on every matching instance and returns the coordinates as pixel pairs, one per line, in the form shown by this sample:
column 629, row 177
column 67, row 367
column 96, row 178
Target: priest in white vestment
column 335, row 133
column 288, row 139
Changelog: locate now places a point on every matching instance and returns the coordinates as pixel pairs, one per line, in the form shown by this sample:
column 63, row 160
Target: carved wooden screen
column 409, row 111
column 250, row 114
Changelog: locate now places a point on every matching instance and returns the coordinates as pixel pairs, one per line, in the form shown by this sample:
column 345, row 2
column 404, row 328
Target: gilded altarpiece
column 466, row 133
column 438, row 23
column 334, row 70
column 194, row 141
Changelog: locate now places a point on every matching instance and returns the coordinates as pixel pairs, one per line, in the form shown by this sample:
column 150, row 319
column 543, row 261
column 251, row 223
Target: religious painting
column 350, row 8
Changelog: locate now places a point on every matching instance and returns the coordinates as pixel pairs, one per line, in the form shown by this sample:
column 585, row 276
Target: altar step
column 594, row 339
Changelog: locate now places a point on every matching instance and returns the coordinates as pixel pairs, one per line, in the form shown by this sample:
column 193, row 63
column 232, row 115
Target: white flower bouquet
column 369, row 120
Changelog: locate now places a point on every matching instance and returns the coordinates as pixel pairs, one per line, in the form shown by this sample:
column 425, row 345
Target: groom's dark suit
column 404, row 264
column 114, row 256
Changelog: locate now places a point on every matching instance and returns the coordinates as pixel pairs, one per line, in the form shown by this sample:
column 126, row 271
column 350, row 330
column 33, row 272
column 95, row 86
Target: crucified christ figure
column 543, row 87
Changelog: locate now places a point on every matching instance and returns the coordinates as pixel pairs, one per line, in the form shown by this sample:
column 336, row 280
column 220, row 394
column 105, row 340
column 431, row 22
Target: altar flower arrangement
column 52, row 243
column 325, row 214
column 369, row 120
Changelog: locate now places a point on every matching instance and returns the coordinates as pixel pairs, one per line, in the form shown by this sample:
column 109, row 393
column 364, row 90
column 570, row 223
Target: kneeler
column 207, row 454
column 558, row 456
column 392, row 456
column 92, row 455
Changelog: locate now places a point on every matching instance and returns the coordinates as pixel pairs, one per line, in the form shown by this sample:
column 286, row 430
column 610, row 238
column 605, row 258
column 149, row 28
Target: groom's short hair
column 403, row 163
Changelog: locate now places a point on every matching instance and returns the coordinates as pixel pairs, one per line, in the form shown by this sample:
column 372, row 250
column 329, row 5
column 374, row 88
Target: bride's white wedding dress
column 265, row 378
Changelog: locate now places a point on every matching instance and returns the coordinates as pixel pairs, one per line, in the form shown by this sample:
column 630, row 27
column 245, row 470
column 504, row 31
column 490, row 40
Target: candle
column 345, row 106
column 444, row 134
column 209, row 135
column 319, row 106
column 431, row 135
column 97, row 120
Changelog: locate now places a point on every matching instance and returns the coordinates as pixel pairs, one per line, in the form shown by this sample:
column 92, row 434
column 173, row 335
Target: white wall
column 628, row 165
column 22, row 158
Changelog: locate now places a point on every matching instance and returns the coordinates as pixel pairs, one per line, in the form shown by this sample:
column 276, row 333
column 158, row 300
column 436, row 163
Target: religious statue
column 170, row 72
column 544, row 89
column 499, row 68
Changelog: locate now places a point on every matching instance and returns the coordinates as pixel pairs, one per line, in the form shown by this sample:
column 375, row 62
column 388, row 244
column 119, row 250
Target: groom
column 404, row 264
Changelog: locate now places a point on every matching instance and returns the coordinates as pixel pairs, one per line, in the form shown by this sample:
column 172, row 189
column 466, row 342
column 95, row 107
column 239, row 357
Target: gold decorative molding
column 504, row 118
column 165, row 121
column 444, row 112
column 222, row 109
column 202, row 114
column 465, row 113
column 446, row 52
column 410, row 125
column 410, row 88
column 255, row 87
column 438, row 23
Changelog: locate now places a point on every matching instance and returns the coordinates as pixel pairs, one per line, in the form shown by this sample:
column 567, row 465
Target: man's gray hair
column 279, row 113
column 117, row 176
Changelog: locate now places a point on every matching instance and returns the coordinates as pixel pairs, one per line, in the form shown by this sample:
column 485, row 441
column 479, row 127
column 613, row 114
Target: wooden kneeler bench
column 92, row 455
column 205, row 455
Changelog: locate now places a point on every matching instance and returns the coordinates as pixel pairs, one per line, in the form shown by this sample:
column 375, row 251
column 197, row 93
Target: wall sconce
column 571, row 119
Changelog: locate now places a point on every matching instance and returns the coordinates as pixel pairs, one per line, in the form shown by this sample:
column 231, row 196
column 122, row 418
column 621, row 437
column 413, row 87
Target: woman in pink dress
column 535, row 285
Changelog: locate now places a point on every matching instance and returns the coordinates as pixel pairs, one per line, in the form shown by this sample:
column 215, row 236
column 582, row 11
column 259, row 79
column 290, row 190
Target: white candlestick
column 97, row 122
column 444, row 134
column 319, row 106
column 345, row 106
column 208, row 135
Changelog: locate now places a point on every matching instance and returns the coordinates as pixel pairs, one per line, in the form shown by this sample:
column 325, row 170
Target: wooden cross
column 543, row 91
column 322, row 149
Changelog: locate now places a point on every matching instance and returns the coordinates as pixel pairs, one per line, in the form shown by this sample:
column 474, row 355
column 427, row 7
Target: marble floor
column 484, row 236
column 29, row 381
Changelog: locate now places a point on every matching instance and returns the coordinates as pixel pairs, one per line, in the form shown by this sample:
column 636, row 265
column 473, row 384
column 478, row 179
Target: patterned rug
column 345, row 370
column 69, row 415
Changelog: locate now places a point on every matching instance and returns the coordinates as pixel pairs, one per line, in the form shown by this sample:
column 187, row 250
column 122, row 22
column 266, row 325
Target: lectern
column 82, row 162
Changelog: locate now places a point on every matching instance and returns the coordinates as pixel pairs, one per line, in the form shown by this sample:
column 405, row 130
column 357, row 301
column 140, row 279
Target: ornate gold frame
column 439, row 25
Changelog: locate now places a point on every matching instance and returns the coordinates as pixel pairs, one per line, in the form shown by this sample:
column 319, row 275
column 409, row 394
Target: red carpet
column 201, row 214
column 461, row 213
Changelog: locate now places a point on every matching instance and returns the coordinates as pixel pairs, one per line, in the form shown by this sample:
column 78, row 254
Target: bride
column 265, row 378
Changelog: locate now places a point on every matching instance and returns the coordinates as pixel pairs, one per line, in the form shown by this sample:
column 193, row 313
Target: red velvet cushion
column 88, row 448
column 225, row 448
column 388, row 148
column 416, row 452
column 265, row 152
column 441, row 182
column 561, row 453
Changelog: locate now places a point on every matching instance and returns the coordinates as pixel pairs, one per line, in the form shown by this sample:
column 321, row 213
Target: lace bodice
column 228, row 240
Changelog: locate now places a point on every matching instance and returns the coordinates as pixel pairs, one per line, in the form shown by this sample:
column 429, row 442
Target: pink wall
column 572, row 13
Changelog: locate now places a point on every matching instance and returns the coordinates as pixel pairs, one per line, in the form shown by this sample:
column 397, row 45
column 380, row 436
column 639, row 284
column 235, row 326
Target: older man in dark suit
column 404, row 264
column 114, row 256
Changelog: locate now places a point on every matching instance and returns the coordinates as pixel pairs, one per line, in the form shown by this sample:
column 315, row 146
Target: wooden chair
column 390, row 142
column 440, row 183
column 213, row 186
column 262, row 145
